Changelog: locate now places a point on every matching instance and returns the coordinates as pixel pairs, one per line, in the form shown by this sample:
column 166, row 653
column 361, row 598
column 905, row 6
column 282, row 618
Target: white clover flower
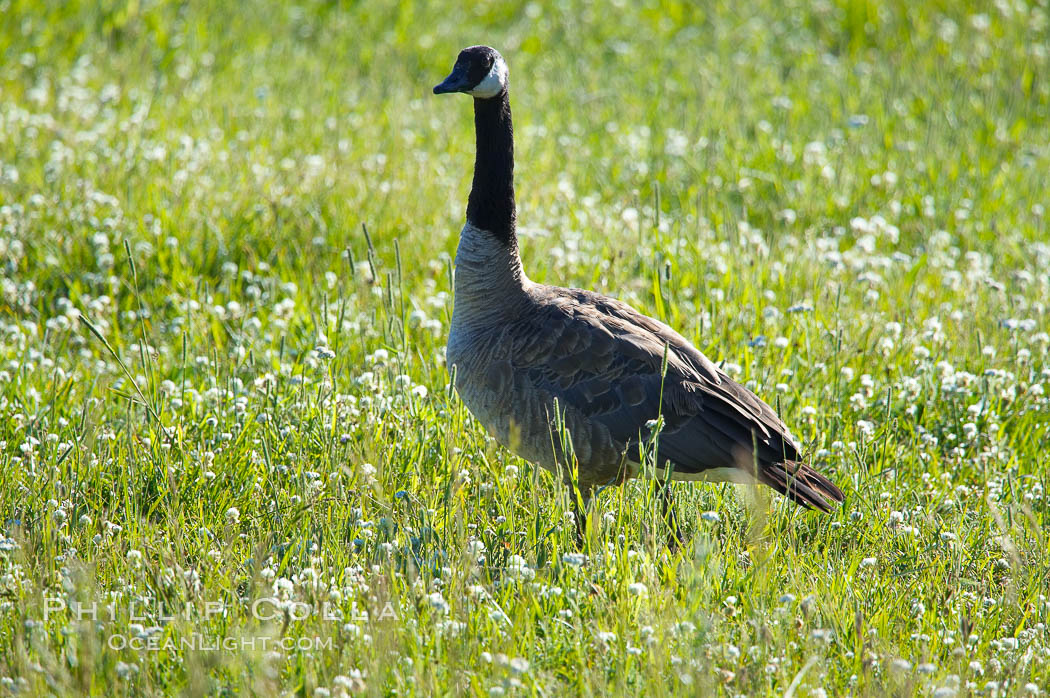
column 350, row 682
column 233, row 515
column 518, row 568
column 574, row 559
column 437, row 602
column 823, row 635
column 368, row 470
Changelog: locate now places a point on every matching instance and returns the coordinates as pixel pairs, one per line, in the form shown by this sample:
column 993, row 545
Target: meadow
column 230, row 459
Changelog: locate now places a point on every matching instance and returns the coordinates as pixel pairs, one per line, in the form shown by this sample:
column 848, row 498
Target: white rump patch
column 493, row 83
column 736, row 475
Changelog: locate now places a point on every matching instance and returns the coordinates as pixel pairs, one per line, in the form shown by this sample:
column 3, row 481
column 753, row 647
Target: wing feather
column 604, row 359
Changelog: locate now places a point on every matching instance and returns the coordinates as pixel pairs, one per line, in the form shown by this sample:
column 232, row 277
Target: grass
column 225, row 234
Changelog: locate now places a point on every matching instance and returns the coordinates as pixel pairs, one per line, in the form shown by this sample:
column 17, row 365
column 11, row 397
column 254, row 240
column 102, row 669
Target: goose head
column 479, row 72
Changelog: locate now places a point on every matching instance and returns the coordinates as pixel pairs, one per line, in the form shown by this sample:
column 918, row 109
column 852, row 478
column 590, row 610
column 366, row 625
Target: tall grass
column 230, row 459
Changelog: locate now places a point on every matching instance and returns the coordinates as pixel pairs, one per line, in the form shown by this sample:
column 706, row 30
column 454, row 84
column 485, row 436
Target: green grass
column 844, row 201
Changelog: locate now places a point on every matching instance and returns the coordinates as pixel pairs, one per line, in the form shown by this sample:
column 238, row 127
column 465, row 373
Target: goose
column 534, row 363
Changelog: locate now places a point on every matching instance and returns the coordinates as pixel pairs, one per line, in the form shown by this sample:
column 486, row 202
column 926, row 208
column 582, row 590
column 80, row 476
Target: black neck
column 491, row 204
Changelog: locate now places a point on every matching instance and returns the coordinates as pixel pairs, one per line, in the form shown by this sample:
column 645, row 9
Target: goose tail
column 801, row 484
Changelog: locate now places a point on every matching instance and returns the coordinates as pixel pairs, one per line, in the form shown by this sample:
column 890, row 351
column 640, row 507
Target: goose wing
column 602, row 358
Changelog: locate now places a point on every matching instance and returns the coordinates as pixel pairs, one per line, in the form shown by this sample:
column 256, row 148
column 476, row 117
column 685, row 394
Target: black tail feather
column 801, row 484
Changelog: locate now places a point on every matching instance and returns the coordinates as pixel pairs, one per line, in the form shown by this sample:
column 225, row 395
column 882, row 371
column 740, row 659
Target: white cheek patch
column 493, row 83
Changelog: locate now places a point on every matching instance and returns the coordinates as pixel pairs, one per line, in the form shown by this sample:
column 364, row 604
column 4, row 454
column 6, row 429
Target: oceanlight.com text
column 201, row 643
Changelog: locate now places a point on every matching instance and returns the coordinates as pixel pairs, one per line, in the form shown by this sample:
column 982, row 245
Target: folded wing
column 605, row 360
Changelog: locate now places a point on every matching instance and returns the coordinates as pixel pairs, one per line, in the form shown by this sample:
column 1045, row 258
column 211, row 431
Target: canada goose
column 522, row 352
